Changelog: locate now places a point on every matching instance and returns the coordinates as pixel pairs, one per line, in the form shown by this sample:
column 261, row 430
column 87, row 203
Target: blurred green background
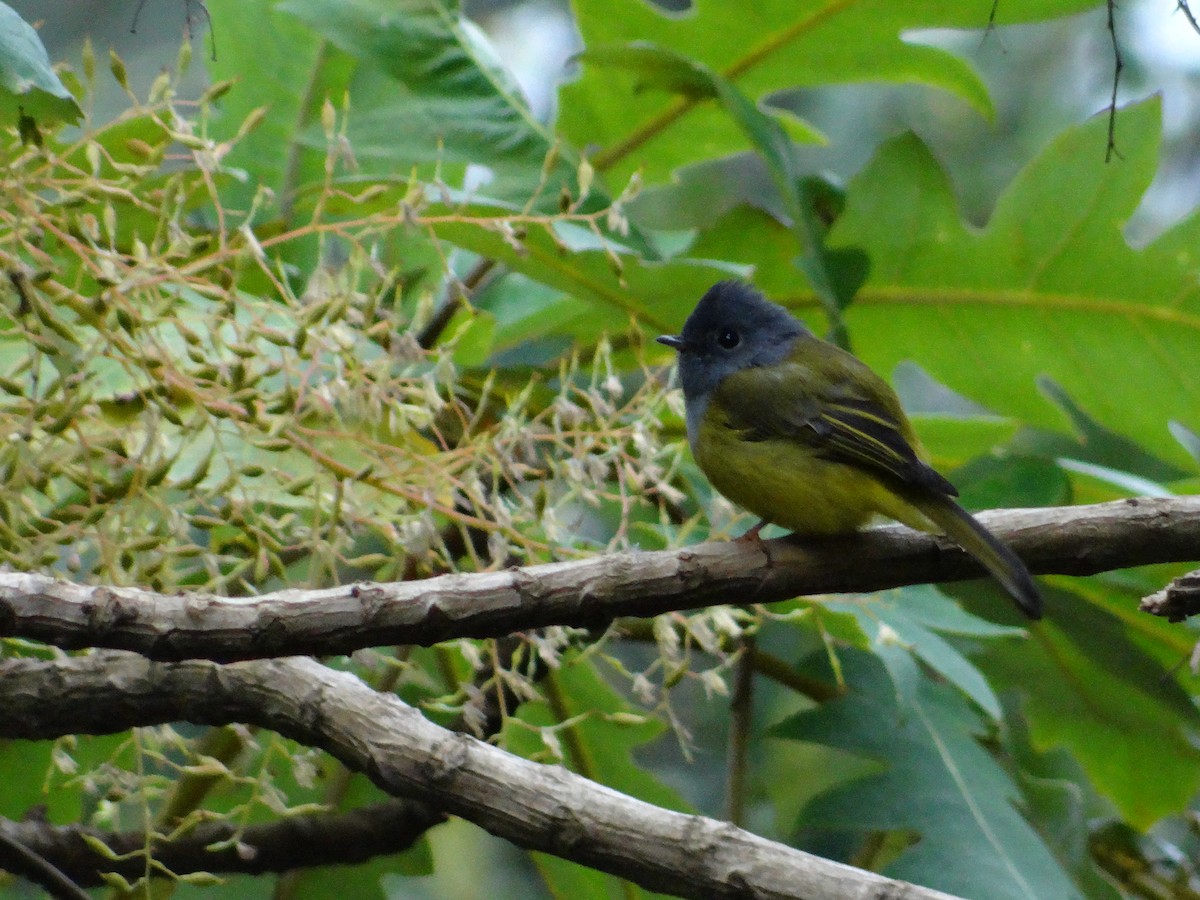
column 1042, row 79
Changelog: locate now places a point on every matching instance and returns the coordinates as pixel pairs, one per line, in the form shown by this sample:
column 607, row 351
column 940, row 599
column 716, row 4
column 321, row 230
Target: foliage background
column 356, row 312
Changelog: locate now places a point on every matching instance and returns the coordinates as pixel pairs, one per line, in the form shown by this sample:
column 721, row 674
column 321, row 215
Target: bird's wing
column 841, row 422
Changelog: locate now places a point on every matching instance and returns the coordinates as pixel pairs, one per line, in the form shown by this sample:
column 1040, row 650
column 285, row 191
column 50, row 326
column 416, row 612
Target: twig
column 1118, row 64
column 20, row 858
column 1177, row 601
column 221, row 744
column 19, row 279
column 990, row 29
column 137, row 14
column 765, row 664
column 456, row 292
column 1184, row 7
column 741, row 721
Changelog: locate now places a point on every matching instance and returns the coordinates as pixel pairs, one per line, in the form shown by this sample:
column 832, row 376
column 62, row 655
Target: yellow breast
column 788, row 484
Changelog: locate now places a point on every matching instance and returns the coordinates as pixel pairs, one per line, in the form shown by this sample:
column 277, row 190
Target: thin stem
column 741, row 723
column 576, row 753
column 291, row 170
column 764, row 664
column 223, row 744
column 456, row 292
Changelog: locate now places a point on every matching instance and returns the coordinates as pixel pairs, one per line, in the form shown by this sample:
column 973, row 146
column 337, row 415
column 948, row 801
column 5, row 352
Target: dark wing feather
column 842, row 427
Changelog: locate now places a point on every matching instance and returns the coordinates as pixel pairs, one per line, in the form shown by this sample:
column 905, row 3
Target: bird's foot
column 752, row 534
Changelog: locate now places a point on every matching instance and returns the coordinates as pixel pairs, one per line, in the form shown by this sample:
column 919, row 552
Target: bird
column 806, row 436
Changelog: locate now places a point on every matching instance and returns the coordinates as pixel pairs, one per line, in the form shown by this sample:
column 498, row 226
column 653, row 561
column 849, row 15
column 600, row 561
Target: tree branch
column 537, row 806
column 1177, row 601
column 292, row 843
column 21, row 859
column 1074, row 540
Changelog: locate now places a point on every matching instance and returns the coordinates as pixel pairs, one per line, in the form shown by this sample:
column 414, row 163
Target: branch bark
column 21, row 859
column 292, row 843
column 537, row 806
column 1179, row 600
column 1076, row 540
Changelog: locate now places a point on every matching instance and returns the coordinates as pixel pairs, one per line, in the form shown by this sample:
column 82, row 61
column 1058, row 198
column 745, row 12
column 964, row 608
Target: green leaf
column 778, row 44
column 33, row 784
column 938, row 781
column 566, row 879
column 1189, row 440
column 1049, row 287
column 289, row 76
column 994, row 482
column 473, row 334
column 903, row 625
column 31, row 94
column 611, row 284
column 365, row 879
column 530, row 316
column 1101, row 446
column 951, row 441
column 921, row 394
column 834, row 276
column 657, row 67
column 756, row 240
column 1060, row 800
column 929, row 606
column 1088, row 687
column 443, row 98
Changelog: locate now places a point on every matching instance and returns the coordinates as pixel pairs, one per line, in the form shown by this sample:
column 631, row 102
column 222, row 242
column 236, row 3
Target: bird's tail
column 995, row 556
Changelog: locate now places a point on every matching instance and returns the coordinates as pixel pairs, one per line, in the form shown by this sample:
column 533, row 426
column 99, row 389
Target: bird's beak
column 675, row 342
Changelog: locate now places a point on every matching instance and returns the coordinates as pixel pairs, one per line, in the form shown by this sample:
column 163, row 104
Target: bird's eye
column 728, row 338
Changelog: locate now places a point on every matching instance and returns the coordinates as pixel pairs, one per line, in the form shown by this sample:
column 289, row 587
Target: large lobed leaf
column 425, row 89
column 763, row 47
column 903, row 627
column 938, row 781
column 1049, row 287
column 433, row 90
column 287, row 76
column 1092, row 686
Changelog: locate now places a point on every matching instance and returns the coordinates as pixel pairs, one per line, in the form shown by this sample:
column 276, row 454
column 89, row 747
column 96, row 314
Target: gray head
column 733, row 327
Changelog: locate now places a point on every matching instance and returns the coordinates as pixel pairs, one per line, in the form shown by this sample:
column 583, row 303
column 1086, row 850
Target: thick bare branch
column 538, row 806
column 1076, row 540
column 292, row 843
